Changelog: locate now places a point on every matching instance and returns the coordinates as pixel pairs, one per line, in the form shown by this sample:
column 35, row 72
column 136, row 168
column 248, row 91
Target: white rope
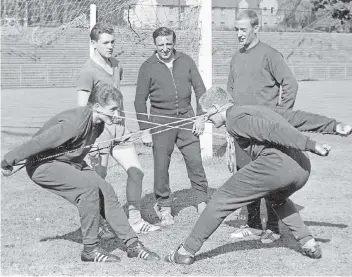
column 124, row 138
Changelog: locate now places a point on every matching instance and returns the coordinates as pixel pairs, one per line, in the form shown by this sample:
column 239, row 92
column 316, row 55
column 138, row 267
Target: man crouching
column 66, row 139
column 279, row 167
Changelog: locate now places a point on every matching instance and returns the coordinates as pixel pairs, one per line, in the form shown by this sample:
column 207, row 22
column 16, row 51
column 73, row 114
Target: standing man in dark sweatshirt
column 73, row 133
column 257, row 73
column 278, row 167
column 167, row 78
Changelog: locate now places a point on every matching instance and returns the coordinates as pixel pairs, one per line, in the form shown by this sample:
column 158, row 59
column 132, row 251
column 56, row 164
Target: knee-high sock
column 254, row 220
column 102, row 171
column 134, row 194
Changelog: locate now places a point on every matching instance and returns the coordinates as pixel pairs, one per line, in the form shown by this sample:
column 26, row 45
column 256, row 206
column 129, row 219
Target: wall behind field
column 311, row 56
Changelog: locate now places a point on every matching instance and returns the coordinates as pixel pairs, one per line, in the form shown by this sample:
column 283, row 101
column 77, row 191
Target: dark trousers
column 254, row 220
column 274, row 175
column 189, row 145
column 81, row 187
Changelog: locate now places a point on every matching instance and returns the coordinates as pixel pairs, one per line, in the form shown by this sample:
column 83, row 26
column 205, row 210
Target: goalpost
column 206, row 68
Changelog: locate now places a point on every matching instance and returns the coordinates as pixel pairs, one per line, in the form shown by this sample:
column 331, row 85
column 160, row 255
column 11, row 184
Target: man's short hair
column 214, row 95
column 103, row 94
column 163, row 32
column 101, row 28
column 249, row 14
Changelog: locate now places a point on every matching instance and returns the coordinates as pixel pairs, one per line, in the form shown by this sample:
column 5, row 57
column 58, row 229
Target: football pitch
column 40, row 232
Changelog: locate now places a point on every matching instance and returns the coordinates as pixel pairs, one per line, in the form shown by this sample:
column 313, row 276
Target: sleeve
column 142, row 94
column 85, row 80
column 197, row 83
column 49, row 139
column 284, row 76
column 305, row 121
column 267, row 131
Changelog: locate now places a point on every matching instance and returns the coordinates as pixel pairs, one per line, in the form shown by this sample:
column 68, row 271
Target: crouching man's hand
column 147, row 138
column 6, row 169
column 343, row 129
column 322, row 149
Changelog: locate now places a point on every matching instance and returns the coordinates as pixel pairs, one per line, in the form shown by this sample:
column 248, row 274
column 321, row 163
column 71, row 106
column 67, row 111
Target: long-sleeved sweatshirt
column 169, row 91
column 258, row 127
column 71, row 129
column 256, row 76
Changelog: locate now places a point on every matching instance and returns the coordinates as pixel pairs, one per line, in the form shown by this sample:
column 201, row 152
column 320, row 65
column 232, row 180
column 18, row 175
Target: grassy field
column 40, row 232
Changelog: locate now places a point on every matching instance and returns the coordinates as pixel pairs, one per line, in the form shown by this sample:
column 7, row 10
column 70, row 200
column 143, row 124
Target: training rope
column 124, row 139
column 220, row 109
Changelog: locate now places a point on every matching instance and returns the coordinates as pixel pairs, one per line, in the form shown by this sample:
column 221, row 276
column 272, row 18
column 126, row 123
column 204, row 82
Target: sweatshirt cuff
column 335, row 125
column 4, row 164
column 310, row 145
column 7, row 160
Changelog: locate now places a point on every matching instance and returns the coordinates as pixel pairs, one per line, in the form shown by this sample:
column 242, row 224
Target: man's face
column 104, row 45
column 109, row 113
column 246, row 33
column 165, row 47
column 214, row 116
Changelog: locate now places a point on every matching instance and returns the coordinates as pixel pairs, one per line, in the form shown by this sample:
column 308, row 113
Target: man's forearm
column 305, row 121
column 140, row 101
column 141, row 113
column 52, row 138
column 268, row 131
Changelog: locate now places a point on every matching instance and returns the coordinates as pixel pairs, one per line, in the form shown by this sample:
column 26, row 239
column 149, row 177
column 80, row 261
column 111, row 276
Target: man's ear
column 93, row 43
column 256, row 29
column 216, row 106
column 96, row 106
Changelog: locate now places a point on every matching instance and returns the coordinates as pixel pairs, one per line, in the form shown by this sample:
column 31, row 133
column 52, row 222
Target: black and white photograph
column 176, row 137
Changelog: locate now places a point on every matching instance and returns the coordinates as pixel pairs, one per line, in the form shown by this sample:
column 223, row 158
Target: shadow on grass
column 291, row 243
column 243, row 215
column 241, row 246
column 326, row 224
column 76, row 236
column 220, row 151
column 181, row 199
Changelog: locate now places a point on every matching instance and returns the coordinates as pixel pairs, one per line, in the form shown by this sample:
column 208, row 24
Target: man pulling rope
column 69, row 176
column 279, row 167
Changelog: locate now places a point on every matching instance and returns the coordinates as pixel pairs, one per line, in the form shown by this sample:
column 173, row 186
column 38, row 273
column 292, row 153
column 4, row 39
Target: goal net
column 45, row 22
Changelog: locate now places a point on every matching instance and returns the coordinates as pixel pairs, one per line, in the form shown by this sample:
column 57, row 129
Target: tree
column 296, row 13
column 336, row 14
column 340, row 11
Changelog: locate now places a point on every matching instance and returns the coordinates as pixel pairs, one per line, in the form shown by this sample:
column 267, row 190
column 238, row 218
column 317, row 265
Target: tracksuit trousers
column 81, row 187
column 274, row 175
column 189, row 145
column 254, row 220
